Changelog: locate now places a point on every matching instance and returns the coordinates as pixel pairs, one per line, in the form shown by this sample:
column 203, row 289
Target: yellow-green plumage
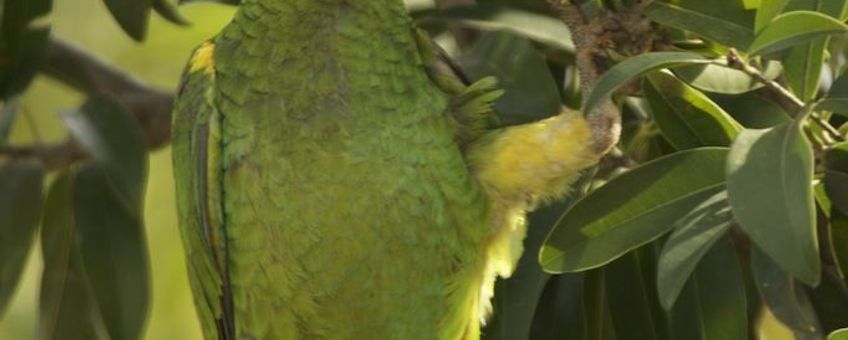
column 329, row 188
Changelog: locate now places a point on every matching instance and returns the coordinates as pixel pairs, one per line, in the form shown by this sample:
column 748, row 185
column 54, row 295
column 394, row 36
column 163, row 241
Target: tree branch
column 85, row 73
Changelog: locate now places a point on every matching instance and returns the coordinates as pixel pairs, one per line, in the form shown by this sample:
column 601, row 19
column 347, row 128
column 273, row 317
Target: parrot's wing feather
column 471, row 104
column 196, row 151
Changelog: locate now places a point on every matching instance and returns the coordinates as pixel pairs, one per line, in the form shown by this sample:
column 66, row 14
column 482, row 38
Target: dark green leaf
column 753, row 111
column 20, row 207
column 693, row 236
column 830, row 300
column 630, row 68
column 225, row 2
column 686, row 117
column 22, row 42
column 559, row 314
column 132, row 16
column 531, row 92
column 112, row 137
column 169, row 12
column 114, row 253
column 706, row 22
column 722, row 79
column 631, row 296
column 793, row 28
column 541, row 28
column 782, row 294
column 839, row 240
column 836, row 176
column 837, row 97
column 713, row 304
column 632, row 209
column 598, row 323
column 769, row 180
column 67, row 309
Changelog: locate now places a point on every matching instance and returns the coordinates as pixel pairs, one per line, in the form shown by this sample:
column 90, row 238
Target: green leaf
column 630, row 68
column 767, row 11
column 769, row 180
column 632, row 209
column 841, row 334
column 836, row 176
column 722, row 79
column 131, row 15
column 713, row 26
column 169, row 12
column 686, row 117
column 752, row 111
column 693, row 236
column 109, row 133
column 530, row 90
column 803, row 68
column 782, row 295
column 66, row 309
column 839, row 239
column 793, row 28
column 837, row 97
column 631, row 297
column 225, row 2
column 559, row 313
column 537, row 27
column 114, row 253
column 20, row 208
column 713, row 304
column 23, row 39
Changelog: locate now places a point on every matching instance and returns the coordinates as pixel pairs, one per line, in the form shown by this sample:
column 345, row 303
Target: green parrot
column 337, row 179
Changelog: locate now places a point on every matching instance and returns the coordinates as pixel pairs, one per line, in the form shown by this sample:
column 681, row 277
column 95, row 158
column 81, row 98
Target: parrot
column 337, row 177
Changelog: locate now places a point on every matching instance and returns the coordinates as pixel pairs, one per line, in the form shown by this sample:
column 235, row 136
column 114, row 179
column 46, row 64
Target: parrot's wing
column 471, row 103
column 196, row 151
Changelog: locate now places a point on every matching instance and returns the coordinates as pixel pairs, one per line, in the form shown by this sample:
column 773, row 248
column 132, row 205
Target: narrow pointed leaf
column 803, row 67
column 713, row 304
column 687, row 117
column 707, row 25
column 767, row 11
column 169, row 12
column 836, row 100
column 114, row 253
column 793, row 28
column 630, row 68
column 8, row 115
column 24, row 37
column 20, row 208
column 632, row 300
column 632, row 209
column 692, row 238
column 769, row 181
column 66, row 306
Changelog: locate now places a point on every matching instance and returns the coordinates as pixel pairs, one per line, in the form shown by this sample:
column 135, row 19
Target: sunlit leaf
column 713, row 304
column 112, row 137
column 841, row 334
column 20, row 208
column 687, row 117
column 66, row 307
column 632, row 209
column 803, row 68
column 769, row 181
column 793, row 28
column 722, row 79
column 630, row 68
column 114, row 253
column 767, row 11
column 692, row 238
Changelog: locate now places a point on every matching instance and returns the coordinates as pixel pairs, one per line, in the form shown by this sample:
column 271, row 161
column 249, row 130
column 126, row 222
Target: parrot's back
column 329, row 197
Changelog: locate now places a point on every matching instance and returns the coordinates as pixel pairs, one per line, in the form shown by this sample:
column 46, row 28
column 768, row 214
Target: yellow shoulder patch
column 203, row 58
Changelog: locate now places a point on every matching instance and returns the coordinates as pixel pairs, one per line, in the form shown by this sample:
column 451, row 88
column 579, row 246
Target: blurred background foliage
column 159, row 61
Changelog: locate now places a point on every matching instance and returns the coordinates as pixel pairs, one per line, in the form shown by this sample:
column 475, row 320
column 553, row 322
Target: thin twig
column 790, row 102
column 85, row 73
